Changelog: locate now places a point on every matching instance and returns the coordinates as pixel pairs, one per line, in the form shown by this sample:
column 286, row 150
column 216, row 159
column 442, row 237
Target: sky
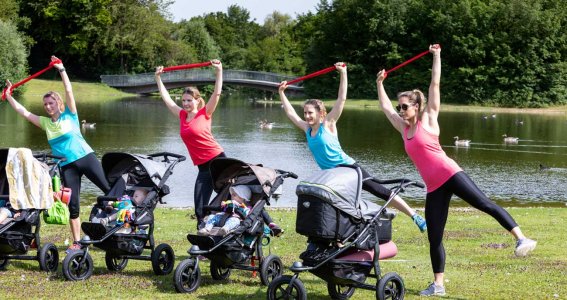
column 259, row 9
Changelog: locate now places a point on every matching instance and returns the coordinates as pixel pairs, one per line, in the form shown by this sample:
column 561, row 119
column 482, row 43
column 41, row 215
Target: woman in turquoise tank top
column 321, row 133
column 416, row 120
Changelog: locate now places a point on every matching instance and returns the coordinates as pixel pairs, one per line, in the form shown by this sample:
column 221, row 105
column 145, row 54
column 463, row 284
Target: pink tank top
column 434, row 166
column 197, row 136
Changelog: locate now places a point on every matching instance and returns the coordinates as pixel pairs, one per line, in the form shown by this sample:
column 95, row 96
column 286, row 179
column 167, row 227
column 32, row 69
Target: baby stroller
column 240, row 248
column 19, row 235
column 124, row 173
column 347, row 236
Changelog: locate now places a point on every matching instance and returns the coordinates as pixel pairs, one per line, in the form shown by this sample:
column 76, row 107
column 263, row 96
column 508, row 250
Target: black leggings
column 72, row 173
column 437, row 209
column 373, row 187
column 204, row 190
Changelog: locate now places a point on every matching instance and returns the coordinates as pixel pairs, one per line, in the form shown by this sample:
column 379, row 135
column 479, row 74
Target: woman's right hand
column 8, row 86
column 282, row 87
column 159, row 71
column 57, row 66
column 381, row 76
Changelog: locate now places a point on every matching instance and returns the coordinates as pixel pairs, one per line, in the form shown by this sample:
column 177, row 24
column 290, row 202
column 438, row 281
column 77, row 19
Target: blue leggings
column 437, row 210
column 72, row 173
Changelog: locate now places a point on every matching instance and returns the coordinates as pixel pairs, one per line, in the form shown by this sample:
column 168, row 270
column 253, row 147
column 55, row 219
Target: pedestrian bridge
column 145, row 83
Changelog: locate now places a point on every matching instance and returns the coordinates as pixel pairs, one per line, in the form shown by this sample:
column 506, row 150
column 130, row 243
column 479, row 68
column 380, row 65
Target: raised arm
column 173, row 108
column 289, row 111
column 69, row 97
column 434, row 102
column 20, row 109
column 335, row 113
column 214, row 99
column 386, row 104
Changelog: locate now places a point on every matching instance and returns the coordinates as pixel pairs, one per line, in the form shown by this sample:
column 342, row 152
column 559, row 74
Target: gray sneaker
column 433, row 290
column 524, row 246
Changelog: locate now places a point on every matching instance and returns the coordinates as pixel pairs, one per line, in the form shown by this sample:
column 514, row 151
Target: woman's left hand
column 216, row 64
column 380, row 76
column 435, row 49
column 341, row 67
column 8, row 86
column 57, row 66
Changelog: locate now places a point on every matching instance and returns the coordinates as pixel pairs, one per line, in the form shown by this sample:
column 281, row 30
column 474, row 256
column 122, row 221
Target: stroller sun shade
column 116, row 164
column 340, row 187
column 224, row 170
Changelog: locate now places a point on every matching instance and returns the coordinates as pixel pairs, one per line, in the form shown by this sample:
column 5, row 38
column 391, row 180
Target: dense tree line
column 497, row 52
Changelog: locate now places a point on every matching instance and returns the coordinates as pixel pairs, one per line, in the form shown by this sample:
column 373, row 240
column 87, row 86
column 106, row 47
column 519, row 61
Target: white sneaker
column 524, row 246
column 433, row 290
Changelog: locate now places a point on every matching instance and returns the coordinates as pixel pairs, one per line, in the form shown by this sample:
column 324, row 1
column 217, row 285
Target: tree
column 13, row 54
column 195, row 34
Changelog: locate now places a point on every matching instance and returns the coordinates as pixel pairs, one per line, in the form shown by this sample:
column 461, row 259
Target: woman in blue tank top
column 321, row 132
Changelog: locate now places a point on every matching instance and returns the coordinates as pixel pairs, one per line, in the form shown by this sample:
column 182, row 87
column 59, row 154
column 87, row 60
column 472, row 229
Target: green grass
column 86, row 91
column 480, row 262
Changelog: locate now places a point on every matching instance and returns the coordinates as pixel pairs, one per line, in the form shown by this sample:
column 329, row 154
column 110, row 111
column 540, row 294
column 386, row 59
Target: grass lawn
column 480, row 262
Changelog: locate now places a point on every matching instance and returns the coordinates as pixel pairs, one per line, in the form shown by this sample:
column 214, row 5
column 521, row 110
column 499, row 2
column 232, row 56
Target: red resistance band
column 314, row 74
column 29, row 78
column 188, row 66
column 422, row 54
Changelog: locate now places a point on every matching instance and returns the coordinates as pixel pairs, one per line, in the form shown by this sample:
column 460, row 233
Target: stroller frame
column 187, row 276
column 47, row 254
column 389, row 286
column 78, row 265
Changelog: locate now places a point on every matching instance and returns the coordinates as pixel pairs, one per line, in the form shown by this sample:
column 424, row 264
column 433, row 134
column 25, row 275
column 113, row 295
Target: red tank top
column 434, row 166
column 197, row 136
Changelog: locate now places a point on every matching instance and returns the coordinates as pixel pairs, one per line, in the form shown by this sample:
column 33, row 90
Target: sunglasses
column 403, row 106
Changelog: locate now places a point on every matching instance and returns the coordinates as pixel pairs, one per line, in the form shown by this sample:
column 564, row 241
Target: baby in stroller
column 6, row 211
column 233, row 211
column 122, row 210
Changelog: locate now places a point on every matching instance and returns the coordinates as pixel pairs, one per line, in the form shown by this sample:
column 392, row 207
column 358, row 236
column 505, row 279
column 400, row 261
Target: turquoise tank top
column 326, row 149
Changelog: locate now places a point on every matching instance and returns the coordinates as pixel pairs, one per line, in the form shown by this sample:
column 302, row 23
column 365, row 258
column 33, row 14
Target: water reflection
column 508, row 173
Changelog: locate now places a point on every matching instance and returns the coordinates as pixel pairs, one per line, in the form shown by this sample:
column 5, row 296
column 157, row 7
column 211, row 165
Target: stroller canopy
column 340, row 187
column 115, row 164
column 225, row 170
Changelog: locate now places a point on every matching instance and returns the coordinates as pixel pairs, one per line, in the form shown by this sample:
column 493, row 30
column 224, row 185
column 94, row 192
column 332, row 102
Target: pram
column 124, row 172
column 19, row 235
column 240, row 248
column 347, row 236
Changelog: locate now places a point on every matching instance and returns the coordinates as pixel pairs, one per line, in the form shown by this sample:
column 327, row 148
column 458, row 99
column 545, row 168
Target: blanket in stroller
column 29, row 180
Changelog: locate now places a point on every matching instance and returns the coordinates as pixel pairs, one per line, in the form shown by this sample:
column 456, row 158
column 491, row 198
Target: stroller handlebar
column 403, row 182
column 166, row 154
column 286, row 174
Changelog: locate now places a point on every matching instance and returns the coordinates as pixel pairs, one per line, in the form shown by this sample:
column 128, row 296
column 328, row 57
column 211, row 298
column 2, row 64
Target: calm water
column 509, row 174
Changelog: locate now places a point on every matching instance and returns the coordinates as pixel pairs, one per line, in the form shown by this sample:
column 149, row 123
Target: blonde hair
column 194, row 92
column 415, row 96
column 55, row 96
column 318, row 104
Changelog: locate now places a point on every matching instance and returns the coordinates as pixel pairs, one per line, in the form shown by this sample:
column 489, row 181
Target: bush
column 13, row 54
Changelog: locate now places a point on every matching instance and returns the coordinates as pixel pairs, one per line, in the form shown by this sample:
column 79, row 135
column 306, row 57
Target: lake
column 510, row 174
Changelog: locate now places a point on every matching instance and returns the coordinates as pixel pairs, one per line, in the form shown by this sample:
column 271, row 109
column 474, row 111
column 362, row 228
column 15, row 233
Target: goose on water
column 87, row 125
column 510, row 139
column 461, row 143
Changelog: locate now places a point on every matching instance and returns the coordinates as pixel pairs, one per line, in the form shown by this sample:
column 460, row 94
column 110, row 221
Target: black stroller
column 347, row 236
column 18, row 235
column 240, row 248
column 124, row 173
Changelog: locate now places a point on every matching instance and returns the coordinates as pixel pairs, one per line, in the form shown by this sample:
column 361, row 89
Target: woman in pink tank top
column 416, row 120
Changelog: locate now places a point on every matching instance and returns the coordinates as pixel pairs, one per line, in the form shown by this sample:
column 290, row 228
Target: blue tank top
column 326, row 149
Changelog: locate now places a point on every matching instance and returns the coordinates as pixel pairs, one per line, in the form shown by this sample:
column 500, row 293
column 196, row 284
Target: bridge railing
column 191, row 75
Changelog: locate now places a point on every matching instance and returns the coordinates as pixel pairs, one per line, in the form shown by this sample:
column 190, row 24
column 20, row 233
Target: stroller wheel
column 115, row 263
column 280, row 288
column 48, row 258
column 270, row 269
column 4, row 262
column 187, row 276
column 342, row 292
column 78, row 266
column 391, row 286
column 218, row 272
column 163, row 259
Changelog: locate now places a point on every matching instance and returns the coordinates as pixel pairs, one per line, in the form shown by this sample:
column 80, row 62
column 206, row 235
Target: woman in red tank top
column 416, row 120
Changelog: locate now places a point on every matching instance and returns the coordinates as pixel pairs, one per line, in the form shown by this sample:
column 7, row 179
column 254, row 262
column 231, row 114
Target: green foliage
column 13, row 55
column 195, row 34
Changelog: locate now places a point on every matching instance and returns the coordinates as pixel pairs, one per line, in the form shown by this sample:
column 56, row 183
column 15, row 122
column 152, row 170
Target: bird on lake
column 264, row 124
column 461, row 143
column 86, row 125
column 510, row 139
column 519, row 122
